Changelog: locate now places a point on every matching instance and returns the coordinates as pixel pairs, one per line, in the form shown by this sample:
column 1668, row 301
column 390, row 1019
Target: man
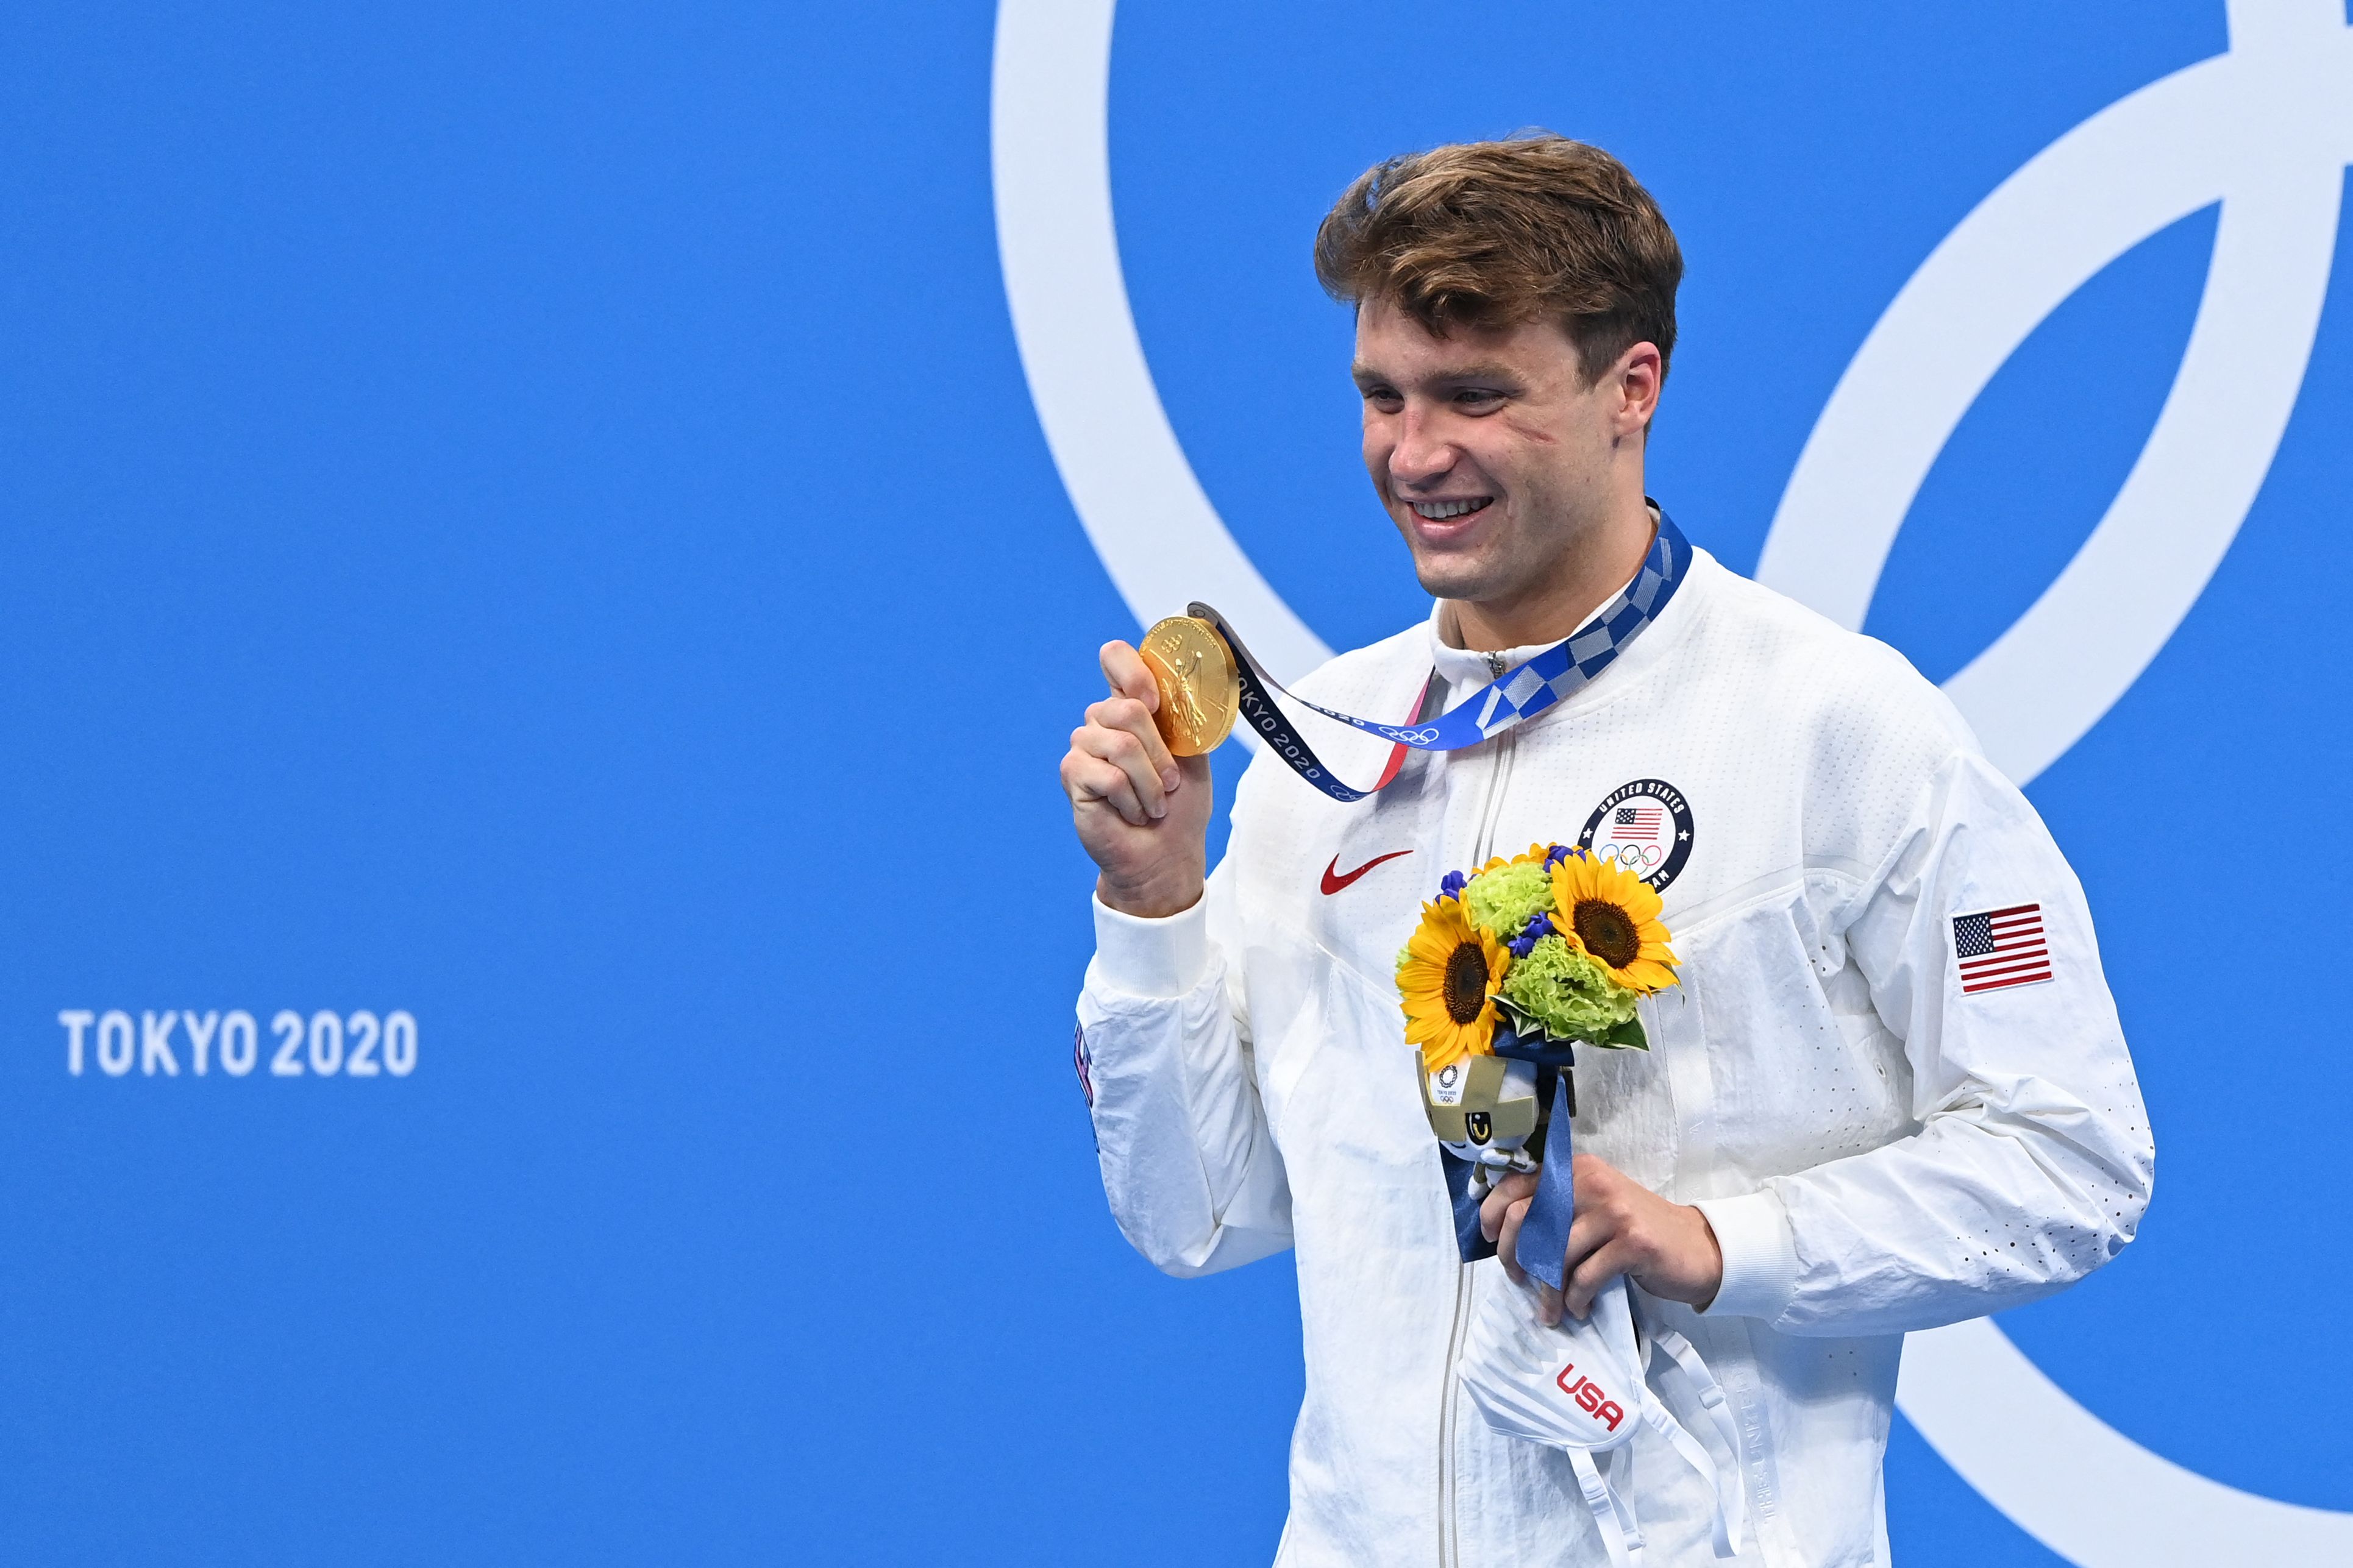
column 1889, row 1090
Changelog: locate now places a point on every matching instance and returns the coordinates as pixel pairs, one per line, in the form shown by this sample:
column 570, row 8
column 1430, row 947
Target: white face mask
column 1581, row 1387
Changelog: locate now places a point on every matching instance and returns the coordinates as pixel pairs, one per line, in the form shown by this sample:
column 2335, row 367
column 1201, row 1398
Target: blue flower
column 1558, row 852
column 1539, row 926
column 1451, row 885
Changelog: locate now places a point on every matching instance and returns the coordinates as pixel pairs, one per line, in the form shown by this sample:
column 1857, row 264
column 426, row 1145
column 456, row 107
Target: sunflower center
column 1606, row 931
column 1466, row 984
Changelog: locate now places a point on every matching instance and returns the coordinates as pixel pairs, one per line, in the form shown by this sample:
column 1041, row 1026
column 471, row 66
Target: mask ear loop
column 1731, row 1492
column 1613, row 1517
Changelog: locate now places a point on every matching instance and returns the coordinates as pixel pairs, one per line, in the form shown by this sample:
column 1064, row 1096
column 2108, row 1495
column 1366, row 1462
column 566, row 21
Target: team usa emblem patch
column 1645, row 827
column 1083, row 1060
column 2000, row 948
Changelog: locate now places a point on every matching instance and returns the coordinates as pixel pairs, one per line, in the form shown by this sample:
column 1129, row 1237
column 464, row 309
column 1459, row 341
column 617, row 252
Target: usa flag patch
column 1083, row 1060
column 1638, row 822
column 2000, row 948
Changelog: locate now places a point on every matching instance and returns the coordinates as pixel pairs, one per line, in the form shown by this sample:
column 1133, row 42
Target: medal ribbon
column 1559, row 671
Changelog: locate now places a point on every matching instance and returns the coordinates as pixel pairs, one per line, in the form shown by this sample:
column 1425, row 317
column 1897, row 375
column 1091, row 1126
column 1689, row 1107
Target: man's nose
column 1421, row 454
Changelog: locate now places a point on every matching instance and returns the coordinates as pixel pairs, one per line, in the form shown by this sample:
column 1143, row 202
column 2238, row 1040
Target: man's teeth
column 1440, row 510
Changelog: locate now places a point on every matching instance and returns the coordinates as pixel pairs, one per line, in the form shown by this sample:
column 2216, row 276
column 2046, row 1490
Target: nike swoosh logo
column 1335, row 880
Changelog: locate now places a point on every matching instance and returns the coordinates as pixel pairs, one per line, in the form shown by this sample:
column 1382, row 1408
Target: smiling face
column 1517, row 486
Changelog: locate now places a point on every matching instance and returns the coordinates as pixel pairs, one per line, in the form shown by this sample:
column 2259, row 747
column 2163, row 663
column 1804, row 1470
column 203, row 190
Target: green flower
column 1503, row 898
column 1567, row 992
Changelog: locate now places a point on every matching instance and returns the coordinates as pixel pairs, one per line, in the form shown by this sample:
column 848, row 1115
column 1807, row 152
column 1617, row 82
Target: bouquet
column 1512, row 966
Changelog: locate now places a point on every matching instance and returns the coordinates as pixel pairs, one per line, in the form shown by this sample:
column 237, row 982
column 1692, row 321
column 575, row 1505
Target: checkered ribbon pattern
column 1517, row 695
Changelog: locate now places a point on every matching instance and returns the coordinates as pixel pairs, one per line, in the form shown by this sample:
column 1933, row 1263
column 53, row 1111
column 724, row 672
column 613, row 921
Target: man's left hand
column 1621, row 1228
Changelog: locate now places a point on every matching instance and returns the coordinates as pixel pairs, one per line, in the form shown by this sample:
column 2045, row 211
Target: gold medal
column 1200, row 689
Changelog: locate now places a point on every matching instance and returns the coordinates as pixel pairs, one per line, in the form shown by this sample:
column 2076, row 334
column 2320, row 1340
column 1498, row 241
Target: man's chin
column 1463, row 580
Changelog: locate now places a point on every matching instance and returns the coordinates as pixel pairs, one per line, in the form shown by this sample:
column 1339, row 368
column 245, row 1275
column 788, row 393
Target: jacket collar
column 1465, row 671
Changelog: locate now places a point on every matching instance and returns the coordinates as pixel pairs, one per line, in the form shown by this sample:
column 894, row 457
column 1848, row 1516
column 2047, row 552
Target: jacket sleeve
column 2033, row 1158
column 1188, row 1162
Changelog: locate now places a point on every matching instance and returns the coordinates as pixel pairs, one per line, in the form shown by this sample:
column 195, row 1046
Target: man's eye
column 1382, row 398
column 1473, row 396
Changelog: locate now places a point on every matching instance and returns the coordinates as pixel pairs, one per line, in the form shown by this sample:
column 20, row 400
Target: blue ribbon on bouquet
column 1559, row 671
column 1543, row 1247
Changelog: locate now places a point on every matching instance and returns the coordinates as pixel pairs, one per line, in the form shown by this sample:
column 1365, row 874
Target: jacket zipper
column 1450, row 1399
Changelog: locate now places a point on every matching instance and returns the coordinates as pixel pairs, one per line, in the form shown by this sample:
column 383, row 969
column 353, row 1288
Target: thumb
column 1129, row 676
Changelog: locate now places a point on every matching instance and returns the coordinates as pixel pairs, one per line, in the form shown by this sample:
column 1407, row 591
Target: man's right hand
column 1142, row 814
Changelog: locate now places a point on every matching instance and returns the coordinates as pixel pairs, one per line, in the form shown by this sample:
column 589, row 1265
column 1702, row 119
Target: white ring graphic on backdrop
column 1136, row 496
column 2266, row 129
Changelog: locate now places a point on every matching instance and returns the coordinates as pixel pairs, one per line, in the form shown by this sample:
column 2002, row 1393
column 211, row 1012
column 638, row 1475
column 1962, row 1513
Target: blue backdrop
column 533, row 520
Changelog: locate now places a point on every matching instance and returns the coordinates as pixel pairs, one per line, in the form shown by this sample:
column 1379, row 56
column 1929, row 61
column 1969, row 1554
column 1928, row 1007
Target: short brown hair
column 1496, row 234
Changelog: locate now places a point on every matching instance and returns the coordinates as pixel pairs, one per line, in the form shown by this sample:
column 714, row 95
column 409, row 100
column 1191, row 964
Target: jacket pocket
column 1798, row 1070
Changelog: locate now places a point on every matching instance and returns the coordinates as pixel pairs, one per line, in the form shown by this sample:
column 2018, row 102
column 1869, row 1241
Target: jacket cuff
column 1163, row 958
column 1760, row 1256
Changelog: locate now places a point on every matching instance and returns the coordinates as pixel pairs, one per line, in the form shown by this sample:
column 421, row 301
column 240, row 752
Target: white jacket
column 1876, row 1149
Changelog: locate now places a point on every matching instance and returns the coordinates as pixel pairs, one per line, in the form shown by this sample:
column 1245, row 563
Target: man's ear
column 1639, row 373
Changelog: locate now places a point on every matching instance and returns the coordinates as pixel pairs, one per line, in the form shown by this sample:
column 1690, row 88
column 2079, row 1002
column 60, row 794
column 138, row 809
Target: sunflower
column 1609, row 912
column 1447, row 972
